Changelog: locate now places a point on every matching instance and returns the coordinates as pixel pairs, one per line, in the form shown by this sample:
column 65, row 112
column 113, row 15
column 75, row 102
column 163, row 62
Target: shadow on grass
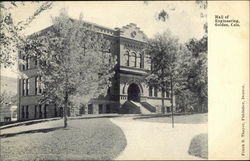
column 162, row 115
column 30, row 132
column 25, row 123
column 153, row 116
column 94, row 117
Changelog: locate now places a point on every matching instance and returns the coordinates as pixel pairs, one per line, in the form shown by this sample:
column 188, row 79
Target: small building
column 128, row 93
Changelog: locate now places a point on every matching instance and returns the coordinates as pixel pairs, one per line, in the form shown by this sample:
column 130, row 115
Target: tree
column 163, row 51
column 192, row 94
column 11, row 37
column 75, row 63
column 197, row 75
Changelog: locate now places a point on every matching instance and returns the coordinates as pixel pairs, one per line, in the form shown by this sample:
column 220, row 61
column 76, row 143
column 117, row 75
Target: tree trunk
column 162, row 100
column 172, row 102
column 162, row 91
column 65, row 110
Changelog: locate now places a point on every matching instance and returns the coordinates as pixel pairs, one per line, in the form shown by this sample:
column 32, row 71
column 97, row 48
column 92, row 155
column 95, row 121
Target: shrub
column 199, row 146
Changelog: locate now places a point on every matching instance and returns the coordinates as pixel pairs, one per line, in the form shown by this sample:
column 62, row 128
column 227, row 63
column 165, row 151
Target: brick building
column 128, row 93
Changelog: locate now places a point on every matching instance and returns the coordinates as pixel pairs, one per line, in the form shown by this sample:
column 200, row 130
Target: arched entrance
column 134, row 92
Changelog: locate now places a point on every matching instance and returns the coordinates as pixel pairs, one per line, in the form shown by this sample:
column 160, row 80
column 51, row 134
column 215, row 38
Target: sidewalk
column 154, row 141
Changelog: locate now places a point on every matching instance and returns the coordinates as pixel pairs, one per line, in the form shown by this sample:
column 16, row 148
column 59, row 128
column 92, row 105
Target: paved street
column 153, row 140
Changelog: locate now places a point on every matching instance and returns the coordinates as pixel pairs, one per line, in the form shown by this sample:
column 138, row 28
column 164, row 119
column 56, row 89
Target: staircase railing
column 148, row 106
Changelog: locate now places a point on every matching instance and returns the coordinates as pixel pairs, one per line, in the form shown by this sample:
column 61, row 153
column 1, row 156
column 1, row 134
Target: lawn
column 183, row 119
column 84, row 139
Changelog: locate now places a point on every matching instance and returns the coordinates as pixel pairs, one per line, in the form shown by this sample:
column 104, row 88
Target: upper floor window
column 38, row 86
column 24, row 87
column 24, row 61
column 27, row 63
column 138, row 61
column 133, row 60
column 126, row 58
column 27, row 86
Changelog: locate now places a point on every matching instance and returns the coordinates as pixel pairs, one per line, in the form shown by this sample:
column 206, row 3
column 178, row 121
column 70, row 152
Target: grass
column 84, row 139
column 199, row 146
column 167, row 118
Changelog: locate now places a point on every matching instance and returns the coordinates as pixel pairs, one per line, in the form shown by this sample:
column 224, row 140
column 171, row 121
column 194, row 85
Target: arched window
column 138, row 60
column 155, row 91
column 133, row 60
column 126, row 55
column 150, row 91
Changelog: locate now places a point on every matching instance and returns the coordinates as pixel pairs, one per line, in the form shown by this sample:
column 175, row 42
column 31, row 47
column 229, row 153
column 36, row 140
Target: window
column 40, row 111
column 23, row 65
column 55, row 111
column 24, row 87
column 27, row 86
column 23, row 112
column 100, row 109
column 35, row 111
column 38, row 87
column 141, row 61
column 45, row 111
column 155, row 91
column 133, row 60
column 126, row 55
column 150, row 91
column 27, row 111
column 138, row 61
column 108, row 109
column 27, row 63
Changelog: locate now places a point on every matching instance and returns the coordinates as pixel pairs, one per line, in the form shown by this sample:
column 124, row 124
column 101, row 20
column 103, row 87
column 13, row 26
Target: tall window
column 23, row 112
column 100, row 109
column 141, row 61
column 35, row 114
column 40, row 111
column 27, row 111
column 155, row 91
column 27, row 86
column 126, row 58
column 23, row 65
column 133, row 60
column 150, row 90
column 138, row 61
column 38, row 89
column 24, row 87
column 27, row 63
column 45, row 111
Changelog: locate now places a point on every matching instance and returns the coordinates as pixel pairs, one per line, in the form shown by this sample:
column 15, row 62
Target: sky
column 184, row 17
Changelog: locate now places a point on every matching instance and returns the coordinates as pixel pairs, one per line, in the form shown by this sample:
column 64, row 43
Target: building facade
column 128, row 93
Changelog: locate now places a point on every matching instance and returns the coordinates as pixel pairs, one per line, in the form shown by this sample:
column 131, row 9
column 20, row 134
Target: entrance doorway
column 134, row 92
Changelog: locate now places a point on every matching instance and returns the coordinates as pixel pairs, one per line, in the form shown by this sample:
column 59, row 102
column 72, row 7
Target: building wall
column 126, row 40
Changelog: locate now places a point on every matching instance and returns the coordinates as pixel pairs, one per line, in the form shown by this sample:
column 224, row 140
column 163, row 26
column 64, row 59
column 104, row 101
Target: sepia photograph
column 114, row 80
